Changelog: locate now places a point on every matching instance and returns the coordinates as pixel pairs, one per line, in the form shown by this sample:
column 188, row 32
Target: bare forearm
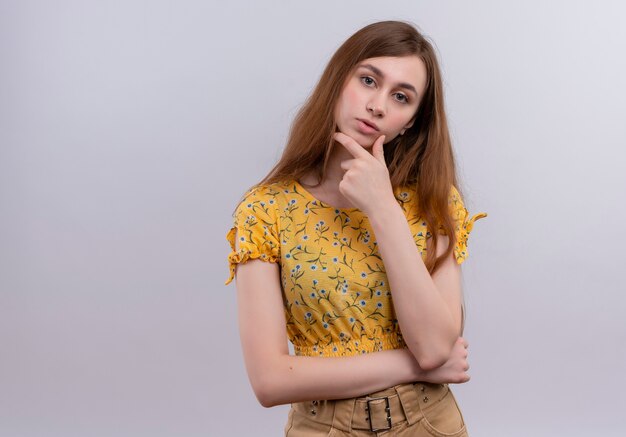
column 297, row 378
column 424, row 318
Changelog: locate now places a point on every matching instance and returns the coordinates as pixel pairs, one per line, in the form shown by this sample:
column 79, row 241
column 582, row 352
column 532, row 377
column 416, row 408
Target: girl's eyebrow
column 377, row 71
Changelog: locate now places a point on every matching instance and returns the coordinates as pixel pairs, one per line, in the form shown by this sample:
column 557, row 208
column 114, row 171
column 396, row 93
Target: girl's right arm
column 280, row 378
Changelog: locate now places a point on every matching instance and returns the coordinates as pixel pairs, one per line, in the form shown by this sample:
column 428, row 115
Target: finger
column 378, row 150
column 351, row 145
column 347, row 164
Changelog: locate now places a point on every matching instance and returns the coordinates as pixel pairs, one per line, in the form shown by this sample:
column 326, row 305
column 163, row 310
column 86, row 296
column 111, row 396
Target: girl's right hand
column 453, row 371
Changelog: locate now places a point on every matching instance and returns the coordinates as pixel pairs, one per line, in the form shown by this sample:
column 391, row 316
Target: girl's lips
column 366, row 128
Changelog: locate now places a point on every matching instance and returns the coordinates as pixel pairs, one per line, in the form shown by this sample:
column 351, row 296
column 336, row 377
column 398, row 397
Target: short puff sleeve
column 463, row 224
column 255, row 221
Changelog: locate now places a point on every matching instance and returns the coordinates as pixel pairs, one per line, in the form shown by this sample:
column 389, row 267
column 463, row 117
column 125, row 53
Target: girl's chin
column 367, row 141
column 364, row 140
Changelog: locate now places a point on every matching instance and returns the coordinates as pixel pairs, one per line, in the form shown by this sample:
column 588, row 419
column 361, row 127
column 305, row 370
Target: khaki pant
column 413, row 409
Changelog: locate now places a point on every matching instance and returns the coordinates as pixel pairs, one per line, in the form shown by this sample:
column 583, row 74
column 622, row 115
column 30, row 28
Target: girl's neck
column 328, row 191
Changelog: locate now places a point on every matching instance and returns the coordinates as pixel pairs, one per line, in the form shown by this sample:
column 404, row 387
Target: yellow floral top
column 335, row 290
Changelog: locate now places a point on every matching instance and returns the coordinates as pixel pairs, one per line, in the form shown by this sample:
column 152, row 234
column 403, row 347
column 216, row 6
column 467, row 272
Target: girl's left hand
column 366, row 183
column 453, row 371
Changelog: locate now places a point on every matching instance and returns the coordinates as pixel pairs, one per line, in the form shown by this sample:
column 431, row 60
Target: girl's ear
column 409, row 124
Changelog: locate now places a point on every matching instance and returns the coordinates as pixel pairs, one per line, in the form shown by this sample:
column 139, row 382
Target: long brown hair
column 422, row 157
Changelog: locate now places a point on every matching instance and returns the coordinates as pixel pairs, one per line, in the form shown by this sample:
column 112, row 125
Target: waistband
column 376, row 411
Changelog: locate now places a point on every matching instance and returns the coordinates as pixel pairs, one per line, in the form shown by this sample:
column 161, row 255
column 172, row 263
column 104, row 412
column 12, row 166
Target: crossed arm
column 280, row 378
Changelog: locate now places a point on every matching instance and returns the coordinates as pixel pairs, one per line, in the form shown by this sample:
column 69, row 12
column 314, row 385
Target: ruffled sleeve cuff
column 463, row 230
column 463, row 224
column 269, row 253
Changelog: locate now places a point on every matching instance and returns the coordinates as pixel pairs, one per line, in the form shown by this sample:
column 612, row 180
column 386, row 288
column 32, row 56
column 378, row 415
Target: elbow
column 431, row 359
column 264, row 391
column 265, row 401
column 431, row 362
column 268, row 381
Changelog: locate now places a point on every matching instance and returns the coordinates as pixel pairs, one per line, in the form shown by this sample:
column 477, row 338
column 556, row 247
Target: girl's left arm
column 428, row 308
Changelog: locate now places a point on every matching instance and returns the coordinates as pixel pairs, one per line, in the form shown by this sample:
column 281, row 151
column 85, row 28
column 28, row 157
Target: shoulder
column 262, row 194
column 455, row 198
column 265, row 200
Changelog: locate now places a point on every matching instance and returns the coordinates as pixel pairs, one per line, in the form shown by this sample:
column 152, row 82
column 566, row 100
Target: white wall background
column 128, row 129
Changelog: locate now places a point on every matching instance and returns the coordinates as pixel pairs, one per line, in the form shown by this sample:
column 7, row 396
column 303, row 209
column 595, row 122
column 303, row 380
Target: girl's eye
column 404, row 99
column 366, row 78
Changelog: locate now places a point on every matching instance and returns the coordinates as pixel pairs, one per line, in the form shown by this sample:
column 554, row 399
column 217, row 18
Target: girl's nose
column 375, row 109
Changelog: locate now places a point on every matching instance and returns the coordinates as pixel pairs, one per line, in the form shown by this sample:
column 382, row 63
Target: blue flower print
column 337, row 300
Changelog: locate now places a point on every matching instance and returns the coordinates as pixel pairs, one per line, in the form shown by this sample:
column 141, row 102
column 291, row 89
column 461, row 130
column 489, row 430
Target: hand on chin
column 367, row 144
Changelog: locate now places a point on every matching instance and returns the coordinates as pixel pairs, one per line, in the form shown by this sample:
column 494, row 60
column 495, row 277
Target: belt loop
column 410, row 402
column 342, row 414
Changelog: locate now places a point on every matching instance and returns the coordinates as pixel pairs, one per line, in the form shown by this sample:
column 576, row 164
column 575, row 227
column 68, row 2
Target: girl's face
column 383, row 91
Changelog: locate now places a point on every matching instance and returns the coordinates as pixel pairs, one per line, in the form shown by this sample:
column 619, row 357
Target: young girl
column 351, row 248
